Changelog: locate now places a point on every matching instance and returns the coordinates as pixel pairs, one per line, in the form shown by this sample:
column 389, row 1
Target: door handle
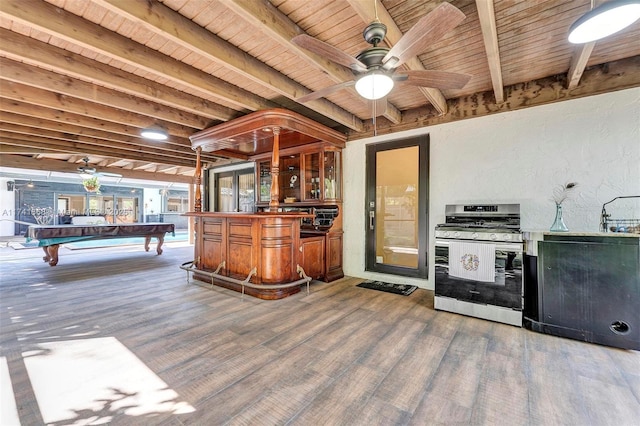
column 372, row 214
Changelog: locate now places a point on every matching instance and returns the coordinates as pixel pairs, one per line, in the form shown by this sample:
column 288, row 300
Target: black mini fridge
column 585, row 287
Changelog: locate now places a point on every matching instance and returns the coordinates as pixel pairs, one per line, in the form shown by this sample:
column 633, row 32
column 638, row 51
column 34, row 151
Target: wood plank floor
column 341, row 355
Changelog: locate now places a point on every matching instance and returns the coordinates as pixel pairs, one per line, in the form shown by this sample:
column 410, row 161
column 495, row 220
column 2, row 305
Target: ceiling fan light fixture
column 604, row 20
column 374, row 85
column 155, row 133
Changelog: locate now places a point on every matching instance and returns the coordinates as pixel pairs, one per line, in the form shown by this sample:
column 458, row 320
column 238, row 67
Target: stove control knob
column 456, row 234
column 474, row 235
column 446, row 234
column 493, row 236
column 507, row 237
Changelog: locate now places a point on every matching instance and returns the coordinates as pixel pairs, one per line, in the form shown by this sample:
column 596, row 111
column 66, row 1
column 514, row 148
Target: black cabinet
column 588, row 289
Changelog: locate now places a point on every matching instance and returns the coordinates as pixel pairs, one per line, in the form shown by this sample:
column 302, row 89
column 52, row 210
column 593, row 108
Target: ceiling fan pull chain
column 375, row 124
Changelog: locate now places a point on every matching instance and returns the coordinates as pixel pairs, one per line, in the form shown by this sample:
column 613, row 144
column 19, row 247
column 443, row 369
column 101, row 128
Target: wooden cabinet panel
column 333, row 260
column 213, row 227
column 277, row 230
column 240, row 229
column 278, row 262
column 313, row 256
column 212, row 253
column 241, row 258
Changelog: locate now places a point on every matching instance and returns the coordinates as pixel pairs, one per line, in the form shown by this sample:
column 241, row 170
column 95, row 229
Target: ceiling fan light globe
column 374, row 85
column 604, row 21
column 154, row 133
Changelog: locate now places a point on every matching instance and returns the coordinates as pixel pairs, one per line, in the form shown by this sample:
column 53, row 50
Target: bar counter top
column 260, row 215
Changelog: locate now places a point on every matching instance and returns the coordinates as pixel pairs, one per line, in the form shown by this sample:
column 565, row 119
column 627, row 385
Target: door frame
column 422, row 271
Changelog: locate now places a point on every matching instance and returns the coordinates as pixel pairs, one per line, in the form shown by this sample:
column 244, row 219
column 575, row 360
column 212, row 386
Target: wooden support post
column 198, row 201
column 274, row 203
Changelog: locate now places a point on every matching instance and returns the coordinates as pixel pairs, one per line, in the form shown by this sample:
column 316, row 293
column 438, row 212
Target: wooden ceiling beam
column 367, row 11
column 29, row 125
column 69, row 118
column 45, row 98
column 184, row 32
column 22, row 162
column 8, row 137
column 180, row 144
column 47, row 80
column 579, row 64
column 282, row 29
column 487, row 17
column 34, row 52
column 58, row 22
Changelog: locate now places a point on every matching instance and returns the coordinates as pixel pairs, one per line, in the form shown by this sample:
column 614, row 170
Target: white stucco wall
column 516, row 157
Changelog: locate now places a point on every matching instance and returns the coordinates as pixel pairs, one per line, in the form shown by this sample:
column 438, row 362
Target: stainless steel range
column 478, row 265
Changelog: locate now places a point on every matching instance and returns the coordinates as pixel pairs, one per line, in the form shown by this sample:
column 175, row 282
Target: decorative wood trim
column 222, row 136
column 274, row 202
column 197, row 205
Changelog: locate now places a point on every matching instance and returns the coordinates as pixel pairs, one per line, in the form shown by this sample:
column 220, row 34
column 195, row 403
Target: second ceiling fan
column 374, row 68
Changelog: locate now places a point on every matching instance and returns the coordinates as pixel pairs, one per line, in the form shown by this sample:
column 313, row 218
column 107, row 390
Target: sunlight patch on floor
column 76, row 381
column 8, row 408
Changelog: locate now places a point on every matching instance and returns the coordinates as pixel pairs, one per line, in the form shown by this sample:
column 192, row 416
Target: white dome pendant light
column 604, row 20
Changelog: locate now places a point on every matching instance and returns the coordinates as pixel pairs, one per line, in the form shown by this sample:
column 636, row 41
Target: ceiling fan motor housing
column 372, row 57
column 374, row 33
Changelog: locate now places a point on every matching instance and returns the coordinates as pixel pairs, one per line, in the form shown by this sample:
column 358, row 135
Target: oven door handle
column 500, row 246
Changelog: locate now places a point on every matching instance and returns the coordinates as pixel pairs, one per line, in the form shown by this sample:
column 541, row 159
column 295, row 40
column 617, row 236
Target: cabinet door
column 313, row 256
column 312, row 185
column 264, row 181
column 590, row 287
column 332, row 177
column 334, row 256
column 290, row 178
column 565, row 294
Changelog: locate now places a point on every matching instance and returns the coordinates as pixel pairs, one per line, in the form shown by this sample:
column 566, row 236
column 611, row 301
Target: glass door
column 397, row 191
column 235, row 191
column 311, row 176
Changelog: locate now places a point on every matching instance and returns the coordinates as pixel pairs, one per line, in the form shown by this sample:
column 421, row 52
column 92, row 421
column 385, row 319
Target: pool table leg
column 160, row 239
column 51, row 254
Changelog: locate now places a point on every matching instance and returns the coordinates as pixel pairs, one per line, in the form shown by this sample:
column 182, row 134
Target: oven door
column 505, row 291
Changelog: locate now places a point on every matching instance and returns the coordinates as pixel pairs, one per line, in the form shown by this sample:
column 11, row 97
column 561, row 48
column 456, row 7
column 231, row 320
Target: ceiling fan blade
column 433, row 78
column 109, row 174
column 326, row 91
column 425, row 32
column 326, row 50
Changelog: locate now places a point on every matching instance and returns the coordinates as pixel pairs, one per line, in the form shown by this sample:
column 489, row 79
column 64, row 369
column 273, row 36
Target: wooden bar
column 299, row 221
column 268, row 242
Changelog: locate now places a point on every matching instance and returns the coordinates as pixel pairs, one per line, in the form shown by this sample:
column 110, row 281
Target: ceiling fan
column 88, row 170
column 374, row 68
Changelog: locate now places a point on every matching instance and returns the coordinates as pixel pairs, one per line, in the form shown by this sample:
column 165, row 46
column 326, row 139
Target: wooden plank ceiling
column 81, row 78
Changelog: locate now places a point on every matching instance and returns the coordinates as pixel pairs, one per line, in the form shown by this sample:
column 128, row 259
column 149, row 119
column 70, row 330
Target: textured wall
column 518, row 157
